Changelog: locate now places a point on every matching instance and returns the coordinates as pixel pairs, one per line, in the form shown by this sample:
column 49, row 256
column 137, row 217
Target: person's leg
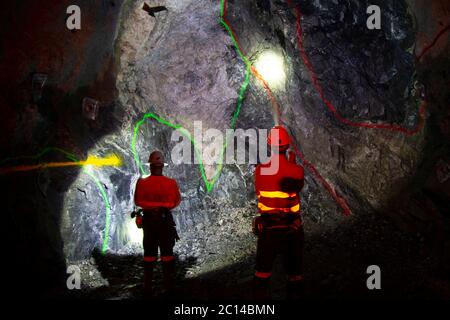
column 150, row 255
column 293, row 258
column 167, row 242
column 265, row 257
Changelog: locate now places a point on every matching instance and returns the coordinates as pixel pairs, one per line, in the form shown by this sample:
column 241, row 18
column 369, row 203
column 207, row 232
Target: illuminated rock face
column 182, row 66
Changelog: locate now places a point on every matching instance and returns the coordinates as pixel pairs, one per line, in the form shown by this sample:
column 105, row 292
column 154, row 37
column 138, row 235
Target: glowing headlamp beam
column 109, row 161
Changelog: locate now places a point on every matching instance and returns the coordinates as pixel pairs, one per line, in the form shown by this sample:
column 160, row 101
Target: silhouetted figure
column 279, row 226
column 157, row 195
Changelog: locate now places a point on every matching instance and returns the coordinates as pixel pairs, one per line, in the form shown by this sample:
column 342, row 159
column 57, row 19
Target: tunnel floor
column 412, row 266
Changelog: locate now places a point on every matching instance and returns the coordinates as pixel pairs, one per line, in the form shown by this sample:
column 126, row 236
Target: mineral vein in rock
column 331, row 107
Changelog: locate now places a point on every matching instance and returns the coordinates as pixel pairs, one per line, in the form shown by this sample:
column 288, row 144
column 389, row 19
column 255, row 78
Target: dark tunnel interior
column 367, row 111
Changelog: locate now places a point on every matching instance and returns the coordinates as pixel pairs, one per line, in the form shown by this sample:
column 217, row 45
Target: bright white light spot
column 135, row 235
column 271, row 67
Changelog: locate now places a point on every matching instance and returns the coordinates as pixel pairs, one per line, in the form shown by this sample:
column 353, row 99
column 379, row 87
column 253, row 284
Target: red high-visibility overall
column 279, row 226
column 157, row 195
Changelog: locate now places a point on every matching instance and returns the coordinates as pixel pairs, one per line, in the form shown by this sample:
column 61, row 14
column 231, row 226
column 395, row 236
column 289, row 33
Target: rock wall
column 182, row 66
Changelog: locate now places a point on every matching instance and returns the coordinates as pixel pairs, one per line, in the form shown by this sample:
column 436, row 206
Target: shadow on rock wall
column 76, row 65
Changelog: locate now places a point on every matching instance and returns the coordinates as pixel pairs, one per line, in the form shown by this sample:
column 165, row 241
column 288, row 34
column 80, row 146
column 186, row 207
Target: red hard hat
column 156, row 159
column 278, row 137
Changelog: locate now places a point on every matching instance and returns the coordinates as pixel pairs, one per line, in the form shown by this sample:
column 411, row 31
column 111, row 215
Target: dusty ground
column 412, row 266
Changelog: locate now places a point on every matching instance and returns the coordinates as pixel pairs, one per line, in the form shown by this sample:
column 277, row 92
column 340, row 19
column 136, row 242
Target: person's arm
column 177, row 195
column 137, row 200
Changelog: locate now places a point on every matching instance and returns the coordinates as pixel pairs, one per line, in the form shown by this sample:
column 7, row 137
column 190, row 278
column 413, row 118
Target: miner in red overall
column 157, row 195
column 279, row 225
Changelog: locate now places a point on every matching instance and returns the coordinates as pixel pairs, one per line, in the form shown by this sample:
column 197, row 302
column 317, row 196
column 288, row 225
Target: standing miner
column 157, row 195
column 279, row 226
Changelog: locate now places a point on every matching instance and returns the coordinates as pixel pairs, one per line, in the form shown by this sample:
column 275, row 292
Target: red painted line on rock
column 330, row 106
column 433, row 43
column 342, row 202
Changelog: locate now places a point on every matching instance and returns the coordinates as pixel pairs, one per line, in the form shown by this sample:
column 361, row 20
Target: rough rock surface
column 182, row 66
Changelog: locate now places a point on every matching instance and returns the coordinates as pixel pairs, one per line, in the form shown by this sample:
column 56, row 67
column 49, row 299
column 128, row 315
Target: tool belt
column 163, row 216
column 283, row 223
column 158, row 212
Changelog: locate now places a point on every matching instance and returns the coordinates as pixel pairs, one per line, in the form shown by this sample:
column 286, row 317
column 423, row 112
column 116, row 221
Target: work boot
column 295, row 290
column 148, row 279
column 169, row 275
column 261, row 288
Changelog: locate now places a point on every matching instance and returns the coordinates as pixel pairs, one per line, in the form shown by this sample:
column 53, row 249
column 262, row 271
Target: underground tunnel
column 365, row 106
